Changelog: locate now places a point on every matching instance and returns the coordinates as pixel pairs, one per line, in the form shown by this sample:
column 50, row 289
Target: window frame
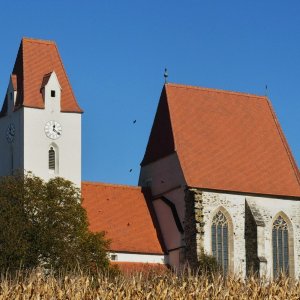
column 230, row 241
column 51, row 159
column 290, row 245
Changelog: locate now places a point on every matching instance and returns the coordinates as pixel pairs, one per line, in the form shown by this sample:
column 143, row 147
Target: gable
column 161, row 141
column 228, row 141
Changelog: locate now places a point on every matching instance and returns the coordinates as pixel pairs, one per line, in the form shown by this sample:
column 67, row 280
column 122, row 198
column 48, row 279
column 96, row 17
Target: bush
column 208, row 264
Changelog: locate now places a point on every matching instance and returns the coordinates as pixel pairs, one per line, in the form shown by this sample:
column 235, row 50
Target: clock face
column 53, row 130
column 10, row 132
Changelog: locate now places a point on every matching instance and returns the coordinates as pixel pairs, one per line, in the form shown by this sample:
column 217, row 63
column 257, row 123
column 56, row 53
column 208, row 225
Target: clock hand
column 56, row 131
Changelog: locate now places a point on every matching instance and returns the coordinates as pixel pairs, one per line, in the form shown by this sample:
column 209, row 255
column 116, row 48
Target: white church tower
column 40, row 121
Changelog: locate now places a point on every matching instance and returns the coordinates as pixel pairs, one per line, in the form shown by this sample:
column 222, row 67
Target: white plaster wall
column 29, row 150
column 137, row 257
column 164, row 174
column 174, row 259
column 52, row 103
column 177, row 197
column 166, row 178
column 36, row 144
column 11, row 153
column 268, row 209
column 235, row 205
column 172, row 237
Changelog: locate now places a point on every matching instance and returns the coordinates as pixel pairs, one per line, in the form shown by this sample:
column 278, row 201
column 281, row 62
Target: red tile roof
column 35, row 59
column 122, row 212
column 14, row 82
column 224, row 140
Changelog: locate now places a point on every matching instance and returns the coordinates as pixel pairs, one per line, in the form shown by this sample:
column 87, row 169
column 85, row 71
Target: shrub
column 208, row 264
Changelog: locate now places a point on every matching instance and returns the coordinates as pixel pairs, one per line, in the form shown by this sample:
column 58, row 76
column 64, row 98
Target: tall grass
column 36, row 285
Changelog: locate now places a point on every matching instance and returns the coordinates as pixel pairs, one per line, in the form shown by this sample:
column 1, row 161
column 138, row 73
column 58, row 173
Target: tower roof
column 224, row 141
column 35, row 59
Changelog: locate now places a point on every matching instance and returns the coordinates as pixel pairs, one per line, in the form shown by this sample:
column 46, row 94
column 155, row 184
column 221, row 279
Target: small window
column 52, row 93
column 11, row 96
column 114, row 257
column 51, row 159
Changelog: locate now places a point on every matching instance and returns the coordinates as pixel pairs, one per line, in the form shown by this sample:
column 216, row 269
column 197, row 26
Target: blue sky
column 115, row 53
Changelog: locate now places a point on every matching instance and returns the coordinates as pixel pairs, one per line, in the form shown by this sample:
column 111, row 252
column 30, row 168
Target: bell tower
column 40, row 120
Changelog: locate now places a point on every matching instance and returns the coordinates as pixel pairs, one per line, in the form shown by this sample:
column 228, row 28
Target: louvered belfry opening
column 51, row 159
column 219, row 232
column 280, row 243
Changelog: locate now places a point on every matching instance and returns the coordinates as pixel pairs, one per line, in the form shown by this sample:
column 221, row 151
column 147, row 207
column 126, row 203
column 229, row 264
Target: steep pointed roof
column 224, row 141
column 35, row 59
column 123, row 213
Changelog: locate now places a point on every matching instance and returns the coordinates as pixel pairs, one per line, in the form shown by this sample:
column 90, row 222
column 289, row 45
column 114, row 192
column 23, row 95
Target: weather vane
column 166, row 75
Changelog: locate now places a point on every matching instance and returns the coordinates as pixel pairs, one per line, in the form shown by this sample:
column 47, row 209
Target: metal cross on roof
column 166, row 75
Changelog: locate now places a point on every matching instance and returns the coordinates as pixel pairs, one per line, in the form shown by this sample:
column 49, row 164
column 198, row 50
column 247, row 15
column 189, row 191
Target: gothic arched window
column 280, row 242
column 219, row 237
column 51, row 159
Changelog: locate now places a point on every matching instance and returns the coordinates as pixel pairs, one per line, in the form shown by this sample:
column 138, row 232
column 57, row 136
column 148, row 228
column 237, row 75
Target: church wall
column 11, row 153
column 172, row 238
column 235, row 206
column 268, row 209
column 174, row 259
column 166, row 179
column 36, row 144
column 177, row 197
column 162, row 175
column 251, row 240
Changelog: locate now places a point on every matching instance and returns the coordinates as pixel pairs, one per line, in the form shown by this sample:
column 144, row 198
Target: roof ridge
column 178, row 85
column 111, row 184
column 67, row 77
column 40, row 41
column 173, row 131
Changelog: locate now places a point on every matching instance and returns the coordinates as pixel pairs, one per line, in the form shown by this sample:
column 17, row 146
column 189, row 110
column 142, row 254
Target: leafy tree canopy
column 43, row 224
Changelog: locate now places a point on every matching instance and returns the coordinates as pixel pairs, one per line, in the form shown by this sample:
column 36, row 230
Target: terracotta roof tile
column 14, row 82
column 35, row 59
column 225, row 141
column 122, row 212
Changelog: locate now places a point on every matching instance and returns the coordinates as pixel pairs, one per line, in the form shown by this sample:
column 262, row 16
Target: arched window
column 219, row 237
column 51, row 159
column 280, row 242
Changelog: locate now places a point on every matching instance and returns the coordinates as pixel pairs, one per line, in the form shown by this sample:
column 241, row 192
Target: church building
column 217, row 176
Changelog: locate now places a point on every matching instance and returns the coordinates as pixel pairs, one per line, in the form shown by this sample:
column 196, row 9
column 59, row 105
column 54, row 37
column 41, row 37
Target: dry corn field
column 168, row 286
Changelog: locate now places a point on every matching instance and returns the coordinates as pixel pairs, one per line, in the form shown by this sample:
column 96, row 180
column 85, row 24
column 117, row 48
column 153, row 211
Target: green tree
column 43, row 224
